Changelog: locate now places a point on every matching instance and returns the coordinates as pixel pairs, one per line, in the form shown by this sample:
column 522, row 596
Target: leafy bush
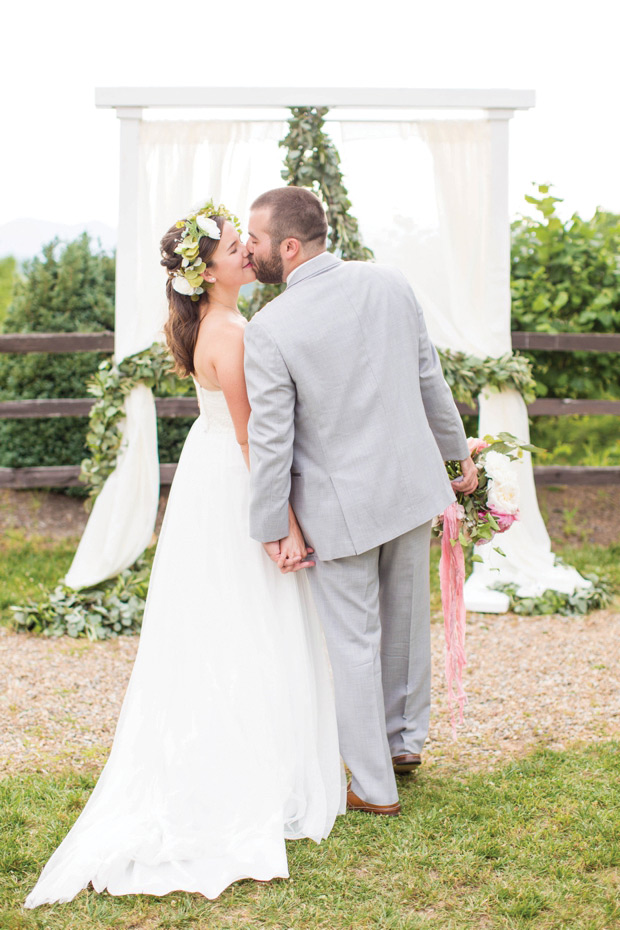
column 566, row 278
column 68, row 289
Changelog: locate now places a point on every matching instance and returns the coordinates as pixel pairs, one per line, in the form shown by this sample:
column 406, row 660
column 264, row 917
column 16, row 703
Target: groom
column 352, row 421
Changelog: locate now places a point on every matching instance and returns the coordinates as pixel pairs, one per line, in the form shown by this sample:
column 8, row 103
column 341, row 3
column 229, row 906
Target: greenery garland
column 110, row 385
column 104, row 611
column 468, row 375
column 582, row 601
column 312, row 161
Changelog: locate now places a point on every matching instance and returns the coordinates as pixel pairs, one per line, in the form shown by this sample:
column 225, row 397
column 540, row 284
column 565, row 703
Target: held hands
column 290, row 554
column 468, row 482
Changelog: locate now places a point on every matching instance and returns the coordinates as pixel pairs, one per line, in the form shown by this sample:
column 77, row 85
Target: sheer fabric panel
column 182, row 164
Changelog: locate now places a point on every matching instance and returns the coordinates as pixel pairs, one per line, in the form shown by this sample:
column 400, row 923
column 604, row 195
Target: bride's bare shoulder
column 220, row 328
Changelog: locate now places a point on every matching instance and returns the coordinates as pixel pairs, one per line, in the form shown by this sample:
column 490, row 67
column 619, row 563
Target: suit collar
column 317, row 265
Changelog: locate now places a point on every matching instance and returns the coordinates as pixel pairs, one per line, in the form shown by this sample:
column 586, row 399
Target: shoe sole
column 370, row 810
column 406, row 768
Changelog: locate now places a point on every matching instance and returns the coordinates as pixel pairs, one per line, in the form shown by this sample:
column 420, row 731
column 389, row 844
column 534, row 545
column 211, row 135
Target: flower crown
column 187, row 279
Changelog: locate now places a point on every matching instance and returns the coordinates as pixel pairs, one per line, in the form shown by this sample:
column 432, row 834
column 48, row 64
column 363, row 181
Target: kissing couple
column 236, row 717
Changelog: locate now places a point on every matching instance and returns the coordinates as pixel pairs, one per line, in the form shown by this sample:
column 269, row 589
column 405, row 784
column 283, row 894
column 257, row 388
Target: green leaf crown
column 187, row 279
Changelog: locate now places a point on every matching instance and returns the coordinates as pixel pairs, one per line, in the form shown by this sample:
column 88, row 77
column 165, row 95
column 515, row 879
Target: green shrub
column 7, row 280
column 171, row 434
column 575, row 440
column 69, row 288
column 566, row 278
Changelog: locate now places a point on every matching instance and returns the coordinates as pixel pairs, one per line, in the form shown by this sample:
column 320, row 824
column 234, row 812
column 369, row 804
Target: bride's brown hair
column 184, row 314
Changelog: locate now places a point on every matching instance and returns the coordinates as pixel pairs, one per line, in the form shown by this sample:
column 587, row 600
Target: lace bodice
column 214, row 412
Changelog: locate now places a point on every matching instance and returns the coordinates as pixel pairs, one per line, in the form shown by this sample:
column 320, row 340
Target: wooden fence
column 67, row 475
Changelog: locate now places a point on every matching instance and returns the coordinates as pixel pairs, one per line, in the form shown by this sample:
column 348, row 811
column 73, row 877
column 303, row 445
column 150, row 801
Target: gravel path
column 547, row 681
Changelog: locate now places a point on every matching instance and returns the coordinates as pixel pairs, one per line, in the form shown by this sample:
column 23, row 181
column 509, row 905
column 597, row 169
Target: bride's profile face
column 231, row 266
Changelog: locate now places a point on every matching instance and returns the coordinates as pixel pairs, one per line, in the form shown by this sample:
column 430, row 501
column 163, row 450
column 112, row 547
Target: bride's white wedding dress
column 226, row 742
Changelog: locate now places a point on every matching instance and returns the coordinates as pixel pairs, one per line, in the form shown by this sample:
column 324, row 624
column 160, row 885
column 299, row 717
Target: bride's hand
column 293, row 549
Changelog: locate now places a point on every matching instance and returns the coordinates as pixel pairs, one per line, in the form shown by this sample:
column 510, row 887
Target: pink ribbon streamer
column 452, row 578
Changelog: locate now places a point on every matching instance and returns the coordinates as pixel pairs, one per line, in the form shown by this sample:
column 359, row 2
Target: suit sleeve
column 441, row 412
column 271, row 392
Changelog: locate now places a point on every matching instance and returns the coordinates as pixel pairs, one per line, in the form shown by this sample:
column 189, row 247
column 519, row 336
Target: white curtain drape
column 182, row 164
column 422, row 193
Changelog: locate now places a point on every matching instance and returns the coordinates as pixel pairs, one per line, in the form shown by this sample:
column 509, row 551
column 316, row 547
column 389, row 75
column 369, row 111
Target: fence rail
column 23, row 343
column 567, row 342
column 104, row 342
column 68, row 475
column 81, row 407
column 187, row 406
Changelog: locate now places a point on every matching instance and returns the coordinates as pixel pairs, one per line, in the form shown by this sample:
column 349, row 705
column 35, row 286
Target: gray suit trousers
column 375, row 610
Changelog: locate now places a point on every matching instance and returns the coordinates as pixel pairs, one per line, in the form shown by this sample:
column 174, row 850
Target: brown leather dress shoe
column 356, row 804
column 405, row 764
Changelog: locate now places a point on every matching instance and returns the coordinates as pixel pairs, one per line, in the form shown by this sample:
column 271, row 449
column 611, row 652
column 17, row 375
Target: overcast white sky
column 60, row 154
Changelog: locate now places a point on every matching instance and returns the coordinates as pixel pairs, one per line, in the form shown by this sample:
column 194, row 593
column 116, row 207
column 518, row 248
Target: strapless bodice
column 214, row 413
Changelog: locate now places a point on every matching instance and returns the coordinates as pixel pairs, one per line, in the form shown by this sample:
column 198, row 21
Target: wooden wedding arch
column 496, row 105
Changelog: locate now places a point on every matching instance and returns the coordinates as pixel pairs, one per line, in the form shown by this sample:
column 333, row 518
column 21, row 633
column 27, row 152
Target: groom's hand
column 293, row 557
column 468, row 482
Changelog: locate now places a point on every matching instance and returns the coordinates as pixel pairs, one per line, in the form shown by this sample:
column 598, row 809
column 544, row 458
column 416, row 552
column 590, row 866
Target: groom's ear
column 290, row 248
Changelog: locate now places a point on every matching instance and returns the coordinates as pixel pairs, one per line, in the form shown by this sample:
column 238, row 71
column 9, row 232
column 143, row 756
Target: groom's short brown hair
column 296, row 213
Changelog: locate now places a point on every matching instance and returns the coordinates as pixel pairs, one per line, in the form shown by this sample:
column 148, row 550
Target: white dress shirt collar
column 305, row 265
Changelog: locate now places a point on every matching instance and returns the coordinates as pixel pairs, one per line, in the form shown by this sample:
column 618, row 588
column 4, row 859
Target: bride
column 226, row 743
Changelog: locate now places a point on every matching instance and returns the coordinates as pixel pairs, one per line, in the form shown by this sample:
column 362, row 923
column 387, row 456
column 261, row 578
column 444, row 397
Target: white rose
column 182, row 286
column 504, row 496
column 497, row 465
column 208, row 226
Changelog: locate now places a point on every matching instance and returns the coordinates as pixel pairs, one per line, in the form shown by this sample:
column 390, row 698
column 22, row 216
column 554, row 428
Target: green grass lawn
column 535, row 845
column 26, row 564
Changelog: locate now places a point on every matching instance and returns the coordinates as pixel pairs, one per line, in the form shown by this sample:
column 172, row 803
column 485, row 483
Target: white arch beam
column 265, row 97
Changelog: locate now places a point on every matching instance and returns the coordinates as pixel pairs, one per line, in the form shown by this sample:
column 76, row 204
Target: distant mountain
column 24, row 238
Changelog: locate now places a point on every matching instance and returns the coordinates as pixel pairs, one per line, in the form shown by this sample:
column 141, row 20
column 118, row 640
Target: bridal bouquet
column 494, row 505
column 473, row 520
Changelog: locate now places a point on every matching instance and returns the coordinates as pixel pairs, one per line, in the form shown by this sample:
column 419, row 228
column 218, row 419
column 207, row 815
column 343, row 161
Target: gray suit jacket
column 351, row 416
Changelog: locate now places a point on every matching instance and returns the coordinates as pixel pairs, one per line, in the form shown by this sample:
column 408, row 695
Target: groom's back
column 366, row 465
